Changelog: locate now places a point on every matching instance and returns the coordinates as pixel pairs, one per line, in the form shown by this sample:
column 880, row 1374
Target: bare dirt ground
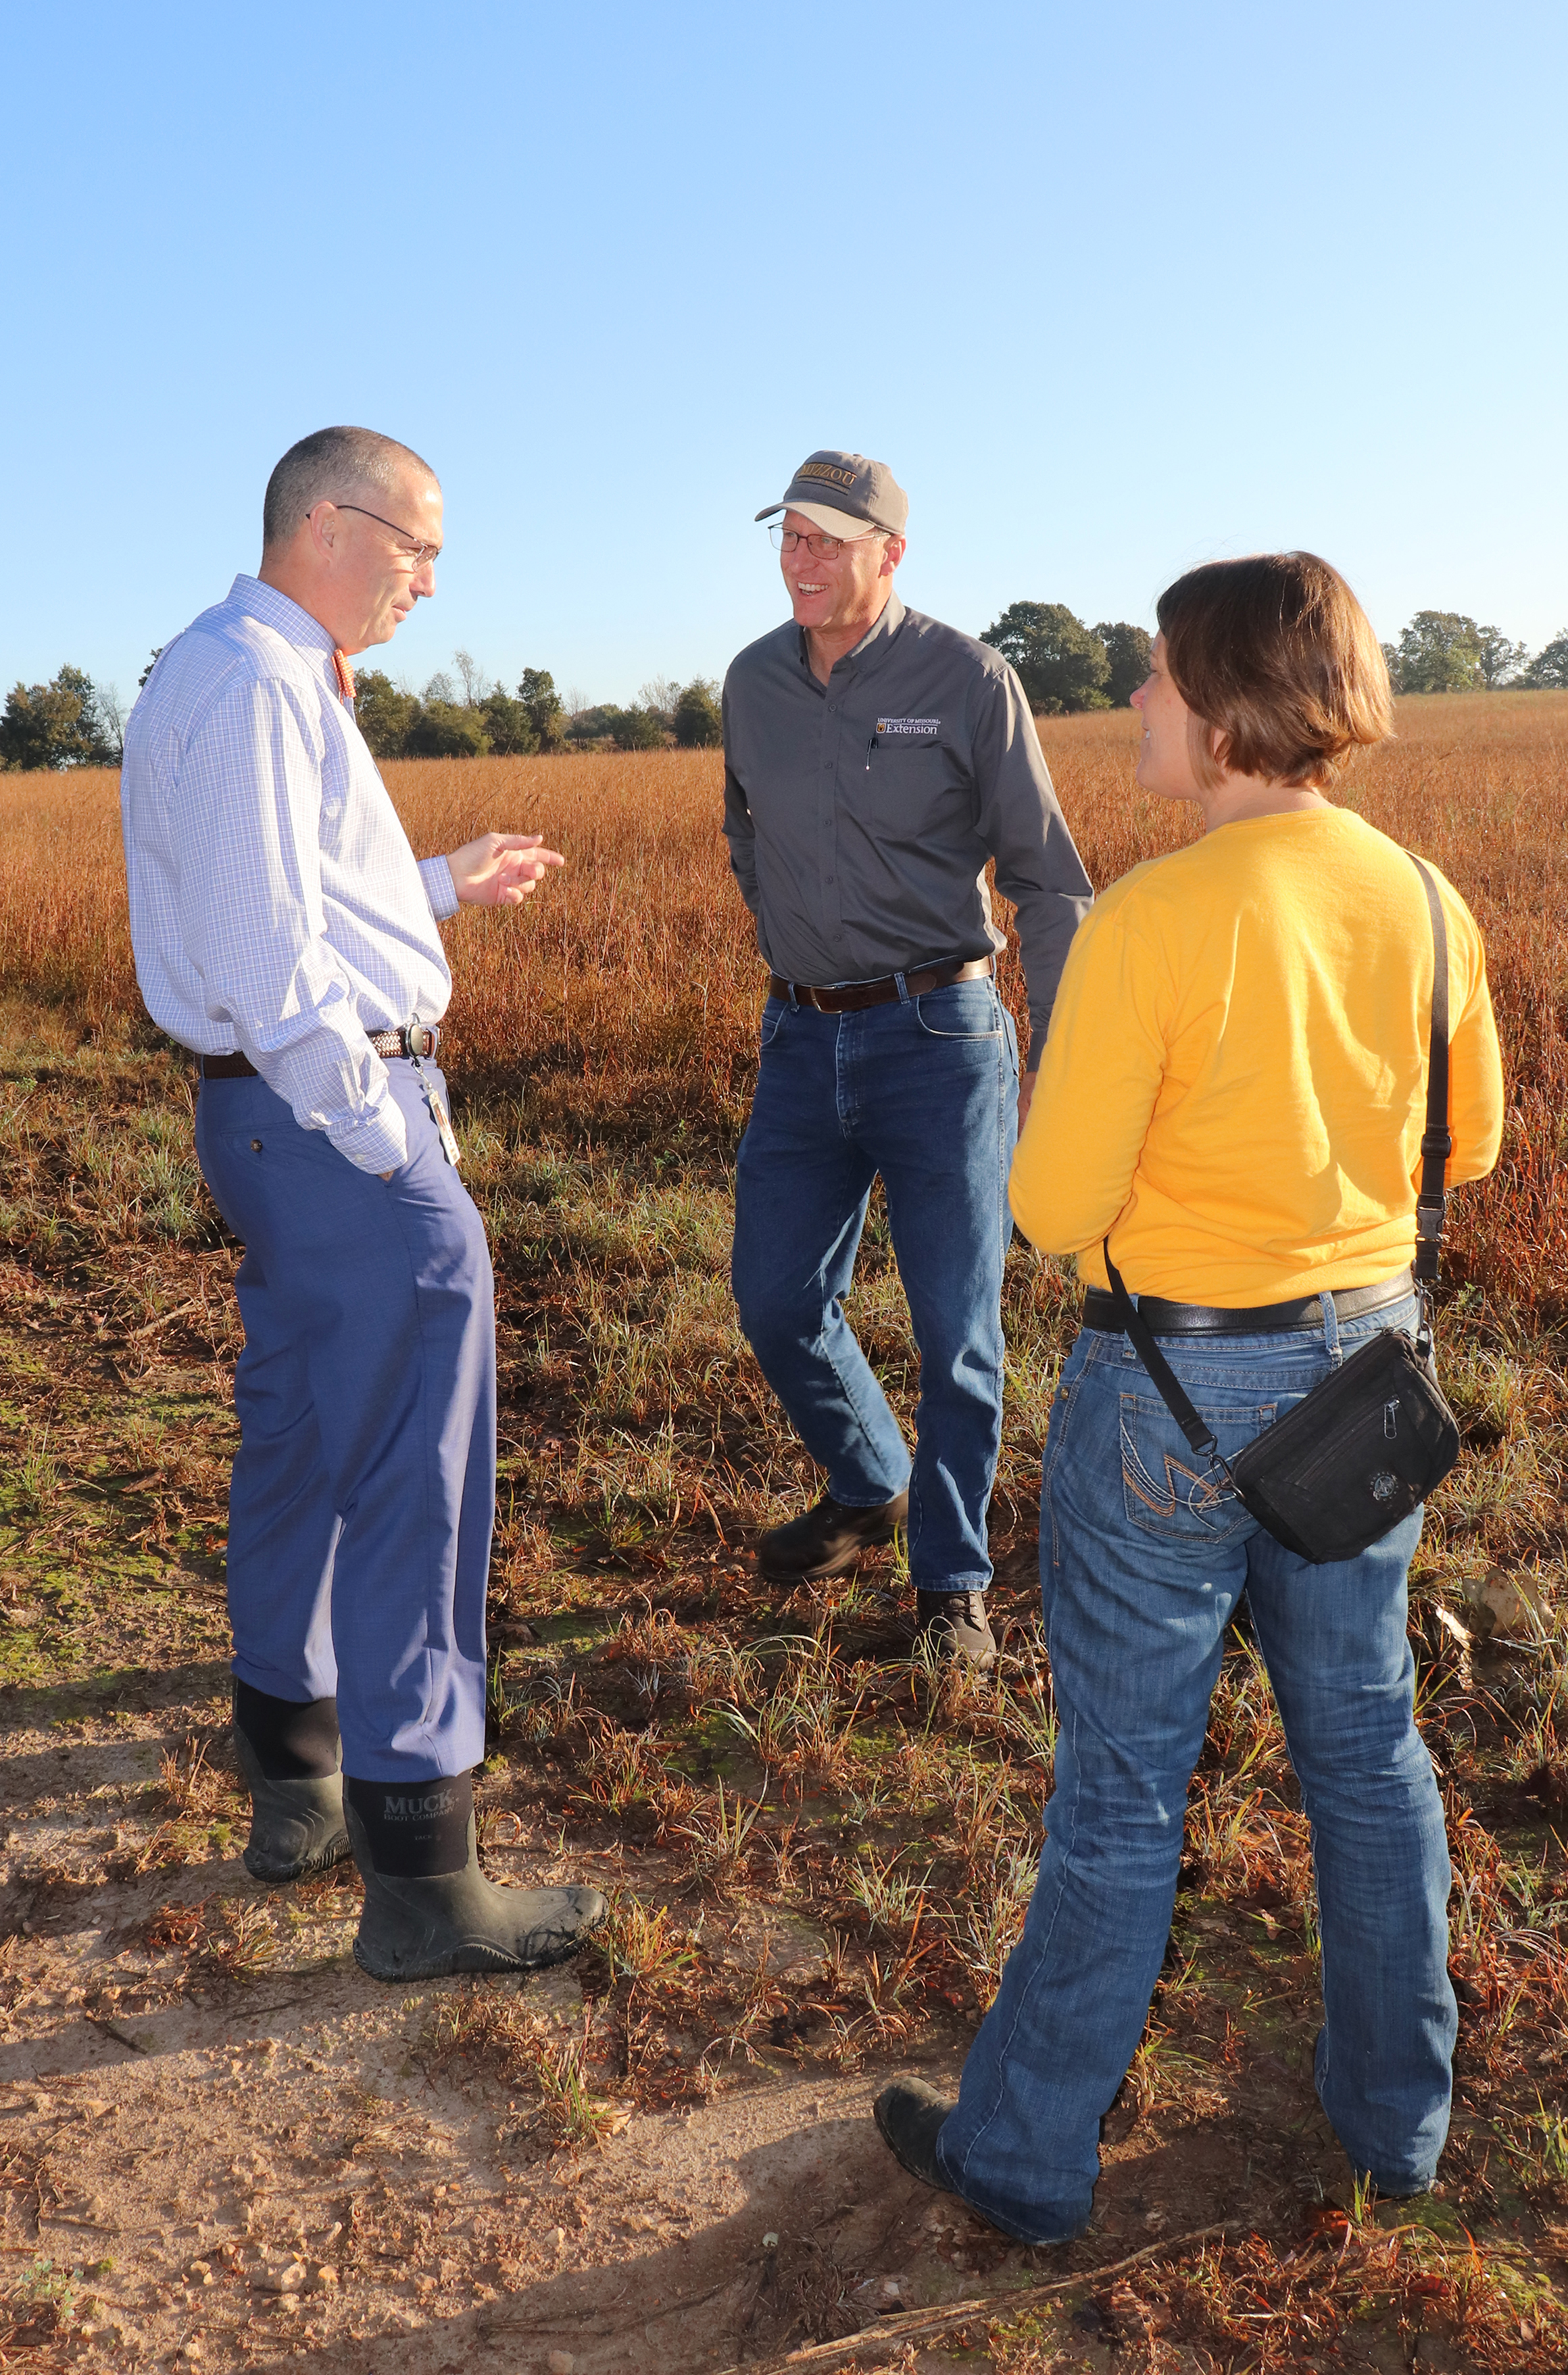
column 248, row 2151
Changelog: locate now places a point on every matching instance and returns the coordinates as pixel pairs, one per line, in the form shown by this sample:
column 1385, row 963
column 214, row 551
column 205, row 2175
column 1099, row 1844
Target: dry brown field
column 221, row 2144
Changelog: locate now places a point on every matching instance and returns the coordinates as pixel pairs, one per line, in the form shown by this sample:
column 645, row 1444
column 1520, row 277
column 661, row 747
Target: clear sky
column 1110, row 288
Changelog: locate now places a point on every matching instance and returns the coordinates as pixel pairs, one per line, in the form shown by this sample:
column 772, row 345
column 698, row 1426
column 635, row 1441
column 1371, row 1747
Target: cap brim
column 841, row 523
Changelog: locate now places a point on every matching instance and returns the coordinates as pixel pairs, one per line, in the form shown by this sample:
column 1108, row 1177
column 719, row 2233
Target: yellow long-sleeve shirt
column 1234, row 1082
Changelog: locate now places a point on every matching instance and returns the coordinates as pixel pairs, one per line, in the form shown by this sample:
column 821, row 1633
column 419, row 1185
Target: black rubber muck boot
column 429, row 1910
column 909, row 2117
column 829, row 1539
column 289, row 1754
column 957, row 1626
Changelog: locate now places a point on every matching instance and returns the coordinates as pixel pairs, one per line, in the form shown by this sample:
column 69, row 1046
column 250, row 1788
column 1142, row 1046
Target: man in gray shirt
column 875, row 760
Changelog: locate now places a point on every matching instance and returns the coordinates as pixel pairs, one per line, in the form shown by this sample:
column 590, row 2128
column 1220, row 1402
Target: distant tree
column 111, row 723
column 440, row 688
column 593, row 724
column 537, row 693
column 1060, row 664
column 635, row 730
column 697, row 718
column 152, row 662
column 1440, row 651
column 56, row 724
column 1501, row 661
column 445, row 731
column 1548, row 672
column 473, row 677
column 508, row 724
column 1394, row 665
column 658, row 697
column 1130, row 650
column 383, row 714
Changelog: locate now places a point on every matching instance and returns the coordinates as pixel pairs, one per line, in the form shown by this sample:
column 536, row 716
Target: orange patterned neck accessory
column 345, row 675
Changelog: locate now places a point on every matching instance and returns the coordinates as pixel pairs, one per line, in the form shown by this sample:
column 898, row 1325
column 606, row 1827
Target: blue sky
column 1111, row 289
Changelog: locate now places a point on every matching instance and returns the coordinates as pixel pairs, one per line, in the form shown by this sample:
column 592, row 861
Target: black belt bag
column 1364, row 1447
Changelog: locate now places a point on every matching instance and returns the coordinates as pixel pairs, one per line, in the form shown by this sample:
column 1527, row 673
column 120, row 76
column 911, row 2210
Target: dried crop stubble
column 628, row 991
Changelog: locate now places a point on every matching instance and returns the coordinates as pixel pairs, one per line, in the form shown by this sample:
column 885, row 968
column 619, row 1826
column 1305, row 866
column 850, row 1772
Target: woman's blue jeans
column 1142, row 1563
column 925, row 1090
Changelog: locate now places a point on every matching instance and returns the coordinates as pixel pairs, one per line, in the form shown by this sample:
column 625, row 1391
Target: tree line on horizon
column 471, row 720
column 1065, row 667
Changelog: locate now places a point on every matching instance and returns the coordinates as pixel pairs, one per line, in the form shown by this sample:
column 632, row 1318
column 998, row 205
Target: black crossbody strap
column 1172, row 1392
column 1431, row 1201
column 1437, row 1143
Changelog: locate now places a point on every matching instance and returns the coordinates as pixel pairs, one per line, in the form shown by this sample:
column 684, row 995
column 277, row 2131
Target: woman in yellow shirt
column 1234, row 1093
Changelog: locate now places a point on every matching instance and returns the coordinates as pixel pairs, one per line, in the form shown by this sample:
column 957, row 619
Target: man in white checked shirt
column 285, row 933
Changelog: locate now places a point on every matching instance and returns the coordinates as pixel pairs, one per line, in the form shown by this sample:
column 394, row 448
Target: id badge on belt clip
column 418, row 1041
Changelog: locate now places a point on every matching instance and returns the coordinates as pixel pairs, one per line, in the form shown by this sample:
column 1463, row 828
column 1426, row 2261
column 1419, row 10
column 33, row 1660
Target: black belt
column 412, row 1039
column 856, row 994
column 1262, row 1319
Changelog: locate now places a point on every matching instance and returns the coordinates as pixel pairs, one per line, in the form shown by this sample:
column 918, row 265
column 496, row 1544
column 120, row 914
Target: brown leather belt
column 385, row 1042
column 856, row 994
column 1262, row 1319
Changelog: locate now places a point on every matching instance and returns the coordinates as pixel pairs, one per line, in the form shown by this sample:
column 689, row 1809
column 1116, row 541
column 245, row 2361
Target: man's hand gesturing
column 499, row 869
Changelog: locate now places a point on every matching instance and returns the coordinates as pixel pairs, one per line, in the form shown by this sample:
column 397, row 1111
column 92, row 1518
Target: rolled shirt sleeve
column 440, row 888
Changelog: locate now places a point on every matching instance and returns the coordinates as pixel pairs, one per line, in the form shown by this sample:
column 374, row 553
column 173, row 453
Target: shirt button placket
column 833, row 899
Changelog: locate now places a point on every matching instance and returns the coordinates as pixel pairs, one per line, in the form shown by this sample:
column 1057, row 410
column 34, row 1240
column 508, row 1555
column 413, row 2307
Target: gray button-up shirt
column 860, row 813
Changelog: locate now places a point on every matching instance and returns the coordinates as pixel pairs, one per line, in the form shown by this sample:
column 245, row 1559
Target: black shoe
column 461, row 1921
column 295, row 1827
column 829, row 1539
column 957, row 1626
column 909, row 2117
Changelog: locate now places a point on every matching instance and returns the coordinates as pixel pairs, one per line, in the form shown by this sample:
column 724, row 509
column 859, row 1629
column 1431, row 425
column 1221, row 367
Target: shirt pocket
column 908, row 789
column 1168, row 1489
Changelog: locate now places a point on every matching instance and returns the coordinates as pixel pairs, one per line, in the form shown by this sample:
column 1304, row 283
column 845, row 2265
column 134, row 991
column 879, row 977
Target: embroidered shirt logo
column 908, row 725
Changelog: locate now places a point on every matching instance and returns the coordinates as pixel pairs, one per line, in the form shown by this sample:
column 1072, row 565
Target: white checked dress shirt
column 276, row 908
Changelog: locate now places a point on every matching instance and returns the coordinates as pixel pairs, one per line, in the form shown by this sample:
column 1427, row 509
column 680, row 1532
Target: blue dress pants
column 1143, row 1558
column 363, row 1493
column 924, row 1090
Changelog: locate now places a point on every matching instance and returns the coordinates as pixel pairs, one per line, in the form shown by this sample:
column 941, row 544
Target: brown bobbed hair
column 1278, row 662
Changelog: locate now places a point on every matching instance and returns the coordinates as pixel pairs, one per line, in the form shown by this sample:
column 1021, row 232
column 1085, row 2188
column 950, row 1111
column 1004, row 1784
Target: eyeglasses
column 820, row 547
column 420, row 553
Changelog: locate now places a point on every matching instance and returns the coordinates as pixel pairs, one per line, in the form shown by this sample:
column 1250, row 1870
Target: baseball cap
column 844, row 494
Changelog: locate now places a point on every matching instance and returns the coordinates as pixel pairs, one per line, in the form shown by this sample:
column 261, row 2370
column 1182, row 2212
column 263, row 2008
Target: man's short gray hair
column 329, row 466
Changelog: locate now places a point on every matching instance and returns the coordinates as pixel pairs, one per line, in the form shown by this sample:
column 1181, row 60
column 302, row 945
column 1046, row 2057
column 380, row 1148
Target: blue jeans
column 924, row 1090
column 363, row 1493
column 1142, row 1563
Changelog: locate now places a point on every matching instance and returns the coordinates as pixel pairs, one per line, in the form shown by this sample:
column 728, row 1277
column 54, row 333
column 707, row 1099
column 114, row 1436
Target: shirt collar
column 274, row 609
column 872, row 649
